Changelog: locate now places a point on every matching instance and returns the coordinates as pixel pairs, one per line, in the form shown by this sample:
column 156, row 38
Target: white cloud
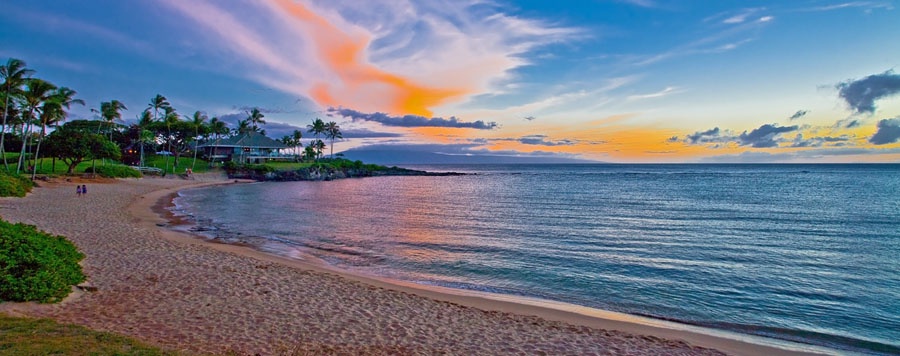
column 460, row 46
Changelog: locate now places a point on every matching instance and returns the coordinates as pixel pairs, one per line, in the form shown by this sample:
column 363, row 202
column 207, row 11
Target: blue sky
column 615, row 81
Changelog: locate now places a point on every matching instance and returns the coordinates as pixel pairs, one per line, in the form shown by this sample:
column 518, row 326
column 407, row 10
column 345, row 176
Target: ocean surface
column 808, row 253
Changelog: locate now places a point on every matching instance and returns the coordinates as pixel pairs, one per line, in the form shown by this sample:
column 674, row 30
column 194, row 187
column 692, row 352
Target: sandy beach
column 183, row 293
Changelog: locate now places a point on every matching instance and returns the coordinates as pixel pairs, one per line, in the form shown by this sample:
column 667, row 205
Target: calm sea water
column 809, row 253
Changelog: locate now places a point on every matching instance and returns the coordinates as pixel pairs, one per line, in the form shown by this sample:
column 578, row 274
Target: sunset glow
column 612, row 81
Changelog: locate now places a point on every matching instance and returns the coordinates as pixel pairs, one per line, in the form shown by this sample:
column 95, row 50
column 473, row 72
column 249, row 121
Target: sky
column 428, row 81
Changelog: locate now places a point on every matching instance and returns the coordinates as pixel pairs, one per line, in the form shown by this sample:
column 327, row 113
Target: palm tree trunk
column 38, row 150
column 196, row 146
column 25, row 129
column 3, row 128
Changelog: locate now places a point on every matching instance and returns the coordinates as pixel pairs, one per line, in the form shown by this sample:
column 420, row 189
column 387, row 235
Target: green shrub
column 13, row 185
column 230, row 166
column 35, row 265
column 115, row 171
column 260, row 168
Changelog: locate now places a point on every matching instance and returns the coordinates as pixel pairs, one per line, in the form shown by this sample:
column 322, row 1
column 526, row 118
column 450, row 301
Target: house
column 248, row 147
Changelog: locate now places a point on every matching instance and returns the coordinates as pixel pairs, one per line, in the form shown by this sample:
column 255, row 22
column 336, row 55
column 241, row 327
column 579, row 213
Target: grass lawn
column 46, row 166
column 25, row 336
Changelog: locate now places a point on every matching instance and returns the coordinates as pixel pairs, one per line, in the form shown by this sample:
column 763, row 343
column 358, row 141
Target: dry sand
column 186, row 294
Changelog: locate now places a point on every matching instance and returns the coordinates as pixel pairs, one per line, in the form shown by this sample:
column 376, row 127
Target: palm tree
column 217, row 127
column 144, row 135
column 310, row 152
column 316, row 127
column 37, row 92
column 320, row 147
column 110, row 111
column 333, row 131
column 255, row 118
column 296, row 136
column 171, row 116
column 157, row 103
column 242, row 127
column 199, row 121
column 52, row 112
column 14, row 74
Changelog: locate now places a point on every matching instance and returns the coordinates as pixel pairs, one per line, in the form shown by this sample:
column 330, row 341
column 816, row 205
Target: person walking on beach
column 78, row 190
column 84, row 189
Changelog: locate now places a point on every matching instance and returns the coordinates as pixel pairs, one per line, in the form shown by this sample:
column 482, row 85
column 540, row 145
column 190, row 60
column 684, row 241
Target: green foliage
column 35, row 265
column 13, row 185
column 343, row 163
column 115, row 171
column 73, row 145
column 23, row 336
column 260, row 168
column 230, row 166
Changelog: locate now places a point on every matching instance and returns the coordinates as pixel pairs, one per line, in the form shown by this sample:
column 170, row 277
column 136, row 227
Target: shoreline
column 723, row 340
column 185, row 293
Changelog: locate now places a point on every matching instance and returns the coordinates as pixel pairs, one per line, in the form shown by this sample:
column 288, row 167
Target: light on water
column 801, row 252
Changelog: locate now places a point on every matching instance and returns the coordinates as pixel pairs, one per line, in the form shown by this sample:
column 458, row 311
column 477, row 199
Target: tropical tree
column 199, row 123
column 14, row 74
column 110, row 111
column 170, row 118
column 243, row 127
column 145, row 136
column 296, row 136
column 37, row 91
column 73, row 145
column 158, row 103
column 320, row 148
column 333, row 131
column 287, row 140
column 316, row 127
column 217, row 127
column 309, row 153
column 52, row 112
column 255, row 118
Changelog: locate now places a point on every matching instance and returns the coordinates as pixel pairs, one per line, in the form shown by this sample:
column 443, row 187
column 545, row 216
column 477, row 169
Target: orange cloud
column 343, row 53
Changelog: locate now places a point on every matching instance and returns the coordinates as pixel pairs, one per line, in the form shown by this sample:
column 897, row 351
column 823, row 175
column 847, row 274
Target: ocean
column 807, row 253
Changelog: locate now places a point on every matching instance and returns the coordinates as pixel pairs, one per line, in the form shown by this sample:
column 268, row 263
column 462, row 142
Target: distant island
column 326, row 170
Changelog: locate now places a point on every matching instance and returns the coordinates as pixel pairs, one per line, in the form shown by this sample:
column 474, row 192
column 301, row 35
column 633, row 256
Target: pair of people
column 81, row 189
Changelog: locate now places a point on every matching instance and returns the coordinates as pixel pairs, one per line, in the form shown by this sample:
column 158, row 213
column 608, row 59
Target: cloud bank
column 410, row 120
column 765, row 136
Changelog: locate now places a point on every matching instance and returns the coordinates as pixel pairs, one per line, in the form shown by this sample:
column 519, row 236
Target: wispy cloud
column 641, row 3
column 798, row 114
column 400, row 57
column 865, row 5
column 665, row 92
column 738, row 30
